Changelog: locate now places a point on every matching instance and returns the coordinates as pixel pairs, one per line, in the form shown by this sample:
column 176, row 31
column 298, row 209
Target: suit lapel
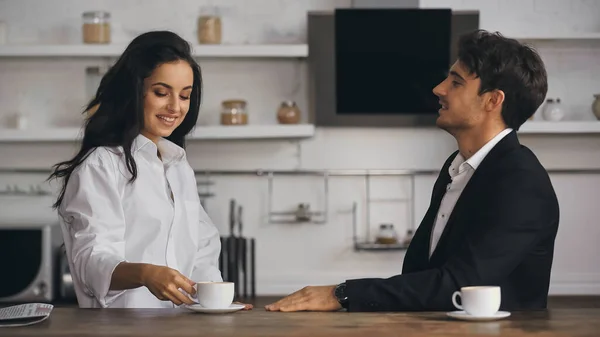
column 471, row 190
column 417, row 255
column 438, row 194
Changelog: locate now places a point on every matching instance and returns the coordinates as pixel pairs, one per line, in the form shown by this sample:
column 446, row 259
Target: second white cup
column 478, row 301
column 215, row 295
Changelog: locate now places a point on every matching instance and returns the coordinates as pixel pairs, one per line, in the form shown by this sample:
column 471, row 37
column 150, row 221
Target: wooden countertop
column 257, row 322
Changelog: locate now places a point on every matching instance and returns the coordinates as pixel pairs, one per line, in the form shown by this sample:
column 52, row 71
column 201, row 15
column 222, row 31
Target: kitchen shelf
column 558, row 36
column 560, row 127
column 254, row 132
column 379, row 247
column 240, row 132
column 115, row 50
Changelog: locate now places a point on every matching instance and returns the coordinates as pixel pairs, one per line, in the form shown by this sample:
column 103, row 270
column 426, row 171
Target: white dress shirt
column 105, row 220
column 460, row 171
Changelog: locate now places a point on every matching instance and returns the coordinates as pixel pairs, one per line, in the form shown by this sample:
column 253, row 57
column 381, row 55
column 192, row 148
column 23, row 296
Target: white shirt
column 460, row 171
column 105, row 220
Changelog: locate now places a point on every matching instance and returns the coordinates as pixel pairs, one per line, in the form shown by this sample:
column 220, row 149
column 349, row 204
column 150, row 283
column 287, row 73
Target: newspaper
column 24, row 314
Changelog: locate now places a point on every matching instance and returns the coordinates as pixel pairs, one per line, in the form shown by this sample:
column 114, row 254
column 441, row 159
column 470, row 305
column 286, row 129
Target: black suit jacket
column 501, row 232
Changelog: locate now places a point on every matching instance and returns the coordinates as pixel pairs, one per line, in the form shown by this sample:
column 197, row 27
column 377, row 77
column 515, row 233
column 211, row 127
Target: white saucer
column 464, row 316
column 199, row 308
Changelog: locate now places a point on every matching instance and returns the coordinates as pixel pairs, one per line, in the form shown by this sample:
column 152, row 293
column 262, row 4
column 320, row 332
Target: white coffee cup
column 214, row 295
column 478, row 301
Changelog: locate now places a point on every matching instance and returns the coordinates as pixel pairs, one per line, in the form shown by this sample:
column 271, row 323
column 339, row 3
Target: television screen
column 389, row 60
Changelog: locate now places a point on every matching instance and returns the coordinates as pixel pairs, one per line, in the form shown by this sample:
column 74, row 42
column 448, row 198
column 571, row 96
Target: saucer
column 464, row 316
column 199, row 308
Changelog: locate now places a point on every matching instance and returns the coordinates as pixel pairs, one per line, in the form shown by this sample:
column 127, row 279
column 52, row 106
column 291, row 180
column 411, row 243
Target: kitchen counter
column 257, row 322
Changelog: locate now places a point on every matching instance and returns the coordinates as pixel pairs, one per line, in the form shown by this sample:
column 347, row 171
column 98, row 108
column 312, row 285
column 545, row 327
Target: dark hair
column 505, row 64
column 119, row 117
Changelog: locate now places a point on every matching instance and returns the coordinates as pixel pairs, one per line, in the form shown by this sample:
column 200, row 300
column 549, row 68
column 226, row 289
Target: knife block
column 237, row 263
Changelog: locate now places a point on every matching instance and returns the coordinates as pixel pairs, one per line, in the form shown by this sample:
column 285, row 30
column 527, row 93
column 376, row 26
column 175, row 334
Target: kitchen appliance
column 378, row 66
column 28, row 261
column 64, row 279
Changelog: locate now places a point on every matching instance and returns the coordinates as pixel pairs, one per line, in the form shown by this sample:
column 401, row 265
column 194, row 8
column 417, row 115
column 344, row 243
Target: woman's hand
column 246, row 306
column 164, row 283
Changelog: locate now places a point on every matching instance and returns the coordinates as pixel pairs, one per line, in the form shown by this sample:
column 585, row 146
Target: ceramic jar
column 553, row 110
column 288, row 113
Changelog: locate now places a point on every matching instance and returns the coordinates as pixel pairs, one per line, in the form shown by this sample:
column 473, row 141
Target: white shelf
column 274, row 50
column 238, row 132
column 253, row 132
column 546, row 127
column 558, row 36
column 115, row 50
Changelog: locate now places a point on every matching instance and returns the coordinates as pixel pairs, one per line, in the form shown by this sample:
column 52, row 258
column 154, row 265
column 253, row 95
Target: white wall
column 291, row 256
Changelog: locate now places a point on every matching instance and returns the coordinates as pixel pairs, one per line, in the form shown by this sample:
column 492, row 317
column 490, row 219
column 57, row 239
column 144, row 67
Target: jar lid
column 96, row 14
column 234, row 102
column 288, row 103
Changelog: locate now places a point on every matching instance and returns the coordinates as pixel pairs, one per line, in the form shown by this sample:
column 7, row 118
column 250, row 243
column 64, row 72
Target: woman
column 134, row 230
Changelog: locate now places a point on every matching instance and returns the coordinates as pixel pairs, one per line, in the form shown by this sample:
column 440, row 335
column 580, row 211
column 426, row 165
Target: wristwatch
column 340, row 295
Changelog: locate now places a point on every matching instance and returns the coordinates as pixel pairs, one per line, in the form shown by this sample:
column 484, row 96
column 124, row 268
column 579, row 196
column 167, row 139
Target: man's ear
column 494, row 100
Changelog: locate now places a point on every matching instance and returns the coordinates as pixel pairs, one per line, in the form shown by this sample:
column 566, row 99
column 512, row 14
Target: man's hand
column 320, row 298
column 164, row 283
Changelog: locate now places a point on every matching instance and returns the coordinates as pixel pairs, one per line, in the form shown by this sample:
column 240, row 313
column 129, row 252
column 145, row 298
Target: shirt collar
column 478, row 156
column 169, row 151
column 459, row 164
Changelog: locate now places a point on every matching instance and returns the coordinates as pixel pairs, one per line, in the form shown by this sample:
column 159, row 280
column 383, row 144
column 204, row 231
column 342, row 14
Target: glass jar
column 387, row 235
column 96, row 27
column 303, row 213
column 233, row 112
column 288, row 113
column 408, row 238
column 209, row 29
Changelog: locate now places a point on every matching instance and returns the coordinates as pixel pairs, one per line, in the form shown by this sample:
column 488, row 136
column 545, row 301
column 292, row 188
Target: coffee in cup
column 215, row 295
column 478, row 301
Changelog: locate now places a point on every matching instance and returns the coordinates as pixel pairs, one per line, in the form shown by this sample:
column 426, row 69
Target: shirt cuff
column 99, row 276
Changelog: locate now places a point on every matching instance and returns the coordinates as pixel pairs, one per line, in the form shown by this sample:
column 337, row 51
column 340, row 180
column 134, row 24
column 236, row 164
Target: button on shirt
column 460, row 171
column 105, row 220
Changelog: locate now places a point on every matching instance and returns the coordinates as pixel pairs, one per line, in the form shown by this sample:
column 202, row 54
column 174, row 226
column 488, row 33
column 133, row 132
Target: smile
column 167, row 119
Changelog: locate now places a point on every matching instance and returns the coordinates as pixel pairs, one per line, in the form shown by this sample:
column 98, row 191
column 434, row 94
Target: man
column 493, row 215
